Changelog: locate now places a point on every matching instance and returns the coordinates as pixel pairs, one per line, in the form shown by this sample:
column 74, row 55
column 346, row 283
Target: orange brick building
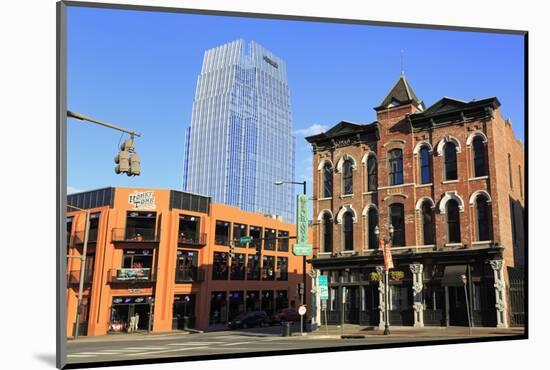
column 165, row 255
column 448, row 179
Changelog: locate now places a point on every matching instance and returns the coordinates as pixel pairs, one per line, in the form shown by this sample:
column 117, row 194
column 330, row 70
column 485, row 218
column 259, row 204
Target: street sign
column 323, row 287
column 245, row 239
column 302, row 219
column 302, row 310
column 302, row 249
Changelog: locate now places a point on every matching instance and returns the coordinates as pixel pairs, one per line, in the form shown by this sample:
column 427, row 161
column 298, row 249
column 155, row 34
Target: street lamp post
column 386, row 281
column 304, row 279
column 82, row 269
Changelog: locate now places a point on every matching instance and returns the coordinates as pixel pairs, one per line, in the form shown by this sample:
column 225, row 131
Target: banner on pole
column 388, row 260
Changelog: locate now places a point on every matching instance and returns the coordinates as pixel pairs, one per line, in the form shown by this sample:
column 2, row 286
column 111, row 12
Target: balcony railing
column 78, row 237
column 134, row 234
column 131, row 275
column 197, row 239
column 73, row 277
column 192, row 275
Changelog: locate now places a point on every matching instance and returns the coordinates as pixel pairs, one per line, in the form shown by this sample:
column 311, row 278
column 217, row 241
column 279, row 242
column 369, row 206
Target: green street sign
column 302, row 249
column 245, row 239
column 323, row 287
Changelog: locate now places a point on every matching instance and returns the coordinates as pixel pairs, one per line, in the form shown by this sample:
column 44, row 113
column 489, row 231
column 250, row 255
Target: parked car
column 249, row 320
column 286, row 314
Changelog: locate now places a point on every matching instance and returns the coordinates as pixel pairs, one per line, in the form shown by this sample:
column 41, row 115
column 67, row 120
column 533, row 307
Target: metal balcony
column 197, row 239
column 135, row 235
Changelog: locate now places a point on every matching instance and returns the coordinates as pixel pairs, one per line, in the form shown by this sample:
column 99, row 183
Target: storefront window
column 253, row 268
column 399, row 298
column 270, row 239
column 218, row 308
column 268, row 270
column 281, row 300
column 283, row 243
column 282, row 268
column 186, row 265
column 252, row 300
column 222, row 233
column 333, row 297
column 220, row 271
column 267, row 301
column 237, row 267
column 236, row 303
column 189, row 229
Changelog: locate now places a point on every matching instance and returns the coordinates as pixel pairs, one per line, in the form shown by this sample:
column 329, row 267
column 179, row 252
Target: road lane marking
column 192, row 344
column 80, row 355
column 142, row 348
column 166, row 350
column 235, row 344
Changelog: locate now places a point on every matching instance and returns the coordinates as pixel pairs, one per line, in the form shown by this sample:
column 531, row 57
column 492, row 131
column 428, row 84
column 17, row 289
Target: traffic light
column 127, row 159
column 232, row 249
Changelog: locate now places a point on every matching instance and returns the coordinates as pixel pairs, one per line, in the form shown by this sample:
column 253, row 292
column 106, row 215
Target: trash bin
column 285, row 329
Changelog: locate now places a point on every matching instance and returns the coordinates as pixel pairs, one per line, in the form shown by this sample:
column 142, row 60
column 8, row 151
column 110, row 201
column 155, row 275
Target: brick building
column 449, row 181
column 165, row 255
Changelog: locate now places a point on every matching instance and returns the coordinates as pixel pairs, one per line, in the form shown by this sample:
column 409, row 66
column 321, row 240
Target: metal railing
column 193, row 239
column 131, row 275
column 135, row 234
column 191, row 275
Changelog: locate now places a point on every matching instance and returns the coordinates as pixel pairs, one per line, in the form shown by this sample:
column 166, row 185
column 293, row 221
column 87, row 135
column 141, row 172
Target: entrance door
column 119, row 318
column 184, row 306
column 370, row 312
column 143, row 311
column 458, row 316
column 351, row 307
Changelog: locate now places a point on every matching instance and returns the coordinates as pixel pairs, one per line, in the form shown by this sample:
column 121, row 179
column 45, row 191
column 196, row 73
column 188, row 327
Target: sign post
column 302, row 311
column 323, row 295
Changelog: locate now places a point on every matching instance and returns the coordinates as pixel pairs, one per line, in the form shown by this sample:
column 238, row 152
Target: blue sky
column 139, row 70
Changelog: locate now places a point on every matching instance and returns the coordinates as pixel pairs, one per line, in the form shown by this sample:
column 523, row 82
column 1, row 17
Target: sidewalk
column 408, row 331
column 127, row 336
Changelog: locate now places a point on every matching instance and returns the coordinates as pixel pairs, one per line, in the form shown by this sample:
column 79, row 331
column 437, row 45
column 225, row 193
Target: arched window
column 327, row 180
column 425, row 166
column 483, row 213
column 347, row 224
column 480, row 163
column 395, row 166
column 453, row 222
column 428, row 224
column 347, row 177
column 397, row 219
column 327, row 232
column 451, row 172
column 373, row 222
column 372, row 174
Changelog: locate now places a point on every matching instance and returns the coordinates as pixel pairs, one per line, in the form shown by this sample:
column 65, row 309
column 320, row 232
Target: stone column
column 500, row 293
column 418, row 306
column 381, row 297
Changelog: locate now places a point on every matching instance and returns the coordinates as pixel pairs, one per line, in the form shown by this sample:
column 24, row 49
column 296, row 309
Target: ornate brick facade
column 490, row 205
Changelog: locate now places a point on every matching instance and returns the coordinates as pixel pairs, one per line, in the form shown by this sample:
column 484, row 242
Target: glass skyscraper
column 240, row 139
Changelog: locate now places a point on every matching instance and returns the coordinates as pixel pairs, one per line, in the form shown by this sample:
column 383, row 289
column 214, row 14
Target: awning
column 453, row 275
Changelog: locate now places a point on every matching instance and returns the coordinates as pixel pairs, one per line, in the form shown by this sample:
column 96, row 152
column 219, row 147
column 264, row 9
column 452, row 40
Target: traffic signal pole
column 82, row 117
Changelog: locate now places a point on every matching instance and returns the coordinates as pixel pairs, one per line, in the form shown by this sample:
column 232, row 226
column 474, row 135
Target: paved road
column 129, row 347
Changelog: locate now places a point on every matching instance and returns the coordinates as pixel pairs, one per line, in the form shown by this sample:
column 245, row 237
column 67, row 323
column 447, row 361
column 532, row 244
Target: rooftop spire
column 401, row 93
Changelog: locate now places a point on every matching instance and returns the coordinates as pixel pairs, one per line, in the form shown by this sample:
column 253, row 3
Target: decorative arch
column 395, row 198
column 473, row 135
column 422, row 200
column 346, row 208
column 450, row 195
column 420, row 144
column 320, row 216
column 366, row 156
column 366, row 209
column 341, row 163
column 322, row 164
column 475, row 194
column 445, row 140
